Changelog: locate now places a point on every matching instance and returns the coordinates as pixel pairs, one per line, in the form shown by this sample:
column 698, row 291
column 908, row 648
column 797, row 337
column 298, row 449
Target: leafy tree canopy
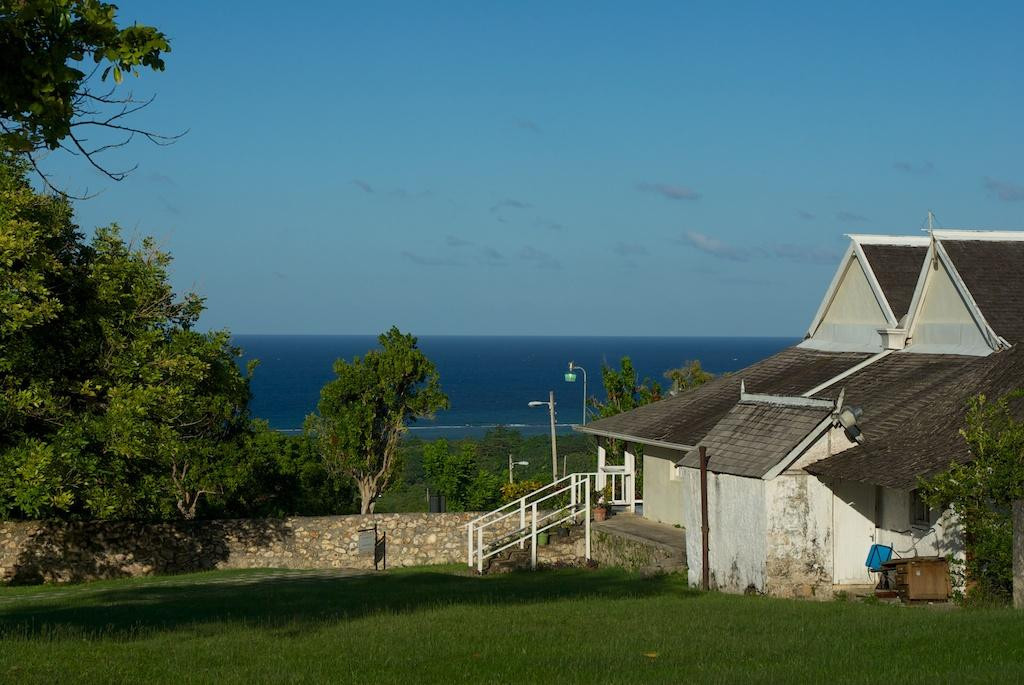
column 623, row 391
column 458, row 476
column 112, row 405
column 363, row 413
column 690, row 375
column 981, row 493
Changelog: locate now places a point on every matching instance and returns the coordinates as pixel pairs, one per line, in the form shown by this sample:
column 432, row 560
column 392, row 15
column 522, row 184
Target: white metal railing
column 484, row 538
column 623, row 484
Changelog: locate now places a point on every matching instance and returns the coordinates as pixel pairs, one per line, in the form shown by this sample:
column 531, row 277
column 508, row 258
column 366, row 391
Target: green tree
column 690, row 375
column 111, row 404
column 457, row 475
column 362, row 414
column 981, row 493
column 50, row 96
column 622, row 390
column 280, row 475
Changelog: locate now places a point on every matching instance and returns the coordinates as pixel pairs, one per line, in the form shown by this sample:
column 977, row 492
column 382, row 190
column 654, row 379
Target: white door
column 853, row 532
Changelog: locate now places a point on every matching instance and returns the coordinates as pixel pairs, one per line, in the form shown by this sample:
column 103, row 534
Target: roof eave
column 630, row 438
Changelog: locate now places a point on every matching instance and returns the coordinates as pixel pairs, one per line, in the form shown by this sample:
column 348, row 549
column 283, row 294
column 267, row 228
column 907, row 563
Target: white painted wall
column 663, row 493
column 942, row 538
column 736, row 518
column 854, row 524
column 862, row 514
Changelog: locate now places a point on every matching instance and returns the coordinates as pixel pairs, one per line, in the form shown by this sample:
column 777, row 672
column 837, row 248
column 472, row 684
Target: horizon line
column 514, row 335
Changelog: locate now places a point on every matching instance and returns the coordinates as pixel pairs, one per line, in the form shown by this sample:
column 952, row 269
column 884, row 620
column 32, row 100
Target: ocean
column 488, row 380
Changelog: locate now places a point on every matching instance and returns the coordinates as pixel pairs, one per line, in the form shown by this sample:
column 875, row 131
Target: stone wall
column 633, row 554
column 35, row 552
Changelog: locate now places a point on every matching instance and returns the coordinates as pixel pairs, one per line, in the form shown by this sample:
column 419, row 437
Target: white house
column 909, row 329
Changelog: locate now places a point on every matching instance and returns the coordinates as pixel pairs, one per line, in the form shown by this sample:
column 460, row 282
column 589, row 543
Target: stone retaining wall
column 610, row 548
column 35, row 552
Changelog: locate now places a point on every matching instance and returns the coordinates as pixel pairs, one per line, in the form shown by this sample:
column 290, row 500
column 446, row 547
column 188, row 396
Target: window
column 920, row 512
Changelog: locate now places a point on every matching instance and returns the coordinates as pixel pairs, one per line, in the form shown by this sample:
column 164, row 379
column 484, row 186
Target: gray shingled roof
column 685, row 419
column 896, row 267
column 754, row 437
column 994, row 273
column 917, row 433
column 895, row 389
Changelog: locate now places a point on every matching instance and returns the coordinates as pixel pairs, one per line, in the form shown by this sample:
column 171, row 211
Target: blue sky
column 558, row 168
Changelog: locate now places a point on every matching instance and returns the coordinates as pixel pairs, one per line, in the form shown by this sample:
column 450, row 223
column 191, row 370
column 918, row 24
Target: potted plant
column 604, row 497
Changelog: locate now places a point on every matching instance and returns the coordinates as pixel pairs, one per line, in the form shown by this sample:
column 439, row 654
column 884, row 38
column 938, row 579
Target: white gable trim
column 831, row 292
column 875, row 287
column 849, row 372
column 969, row 234
column 905, row 240
column 937, row 252
column 854, row 251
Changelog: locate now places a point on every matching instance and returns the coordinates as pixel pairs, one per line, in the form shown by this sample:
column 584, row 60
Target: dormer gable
column 857, row 314
column 944, row 315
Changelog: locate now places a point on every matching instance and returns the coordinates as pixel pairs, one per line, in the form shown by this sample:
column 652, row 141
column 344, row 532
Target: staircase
column 511, row 530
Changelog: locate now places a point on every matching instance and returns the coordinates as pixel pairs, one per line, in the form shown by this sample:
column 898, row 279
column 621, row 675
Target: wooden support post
column 586, row 517
column 705, row 578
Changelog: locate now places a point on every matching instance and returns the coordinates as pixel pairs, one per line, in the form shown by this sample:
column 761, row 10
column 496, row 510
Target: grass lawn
column 437, row 625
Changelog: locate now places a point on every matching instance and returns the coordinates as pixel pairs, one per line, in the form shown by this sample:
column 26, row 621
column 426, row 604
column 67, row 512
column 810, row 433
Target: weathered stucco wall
column 862, row 514
column 736, row 521
column 33, row 551
column 798, row 555
column 942, row 538
column 663, row 492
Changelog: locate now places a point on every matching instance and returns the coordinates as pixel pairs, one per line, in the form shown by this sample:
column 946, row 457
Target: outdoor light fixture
column 847, row 418
column 570, row 377
column 513, row 464
column 550, row 404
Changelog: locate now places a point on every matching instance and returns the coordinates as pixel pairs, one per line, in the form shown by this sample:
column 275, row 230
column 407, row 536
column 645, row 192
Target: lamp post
column 513, row 464
column 554, row 450
column 570, row 377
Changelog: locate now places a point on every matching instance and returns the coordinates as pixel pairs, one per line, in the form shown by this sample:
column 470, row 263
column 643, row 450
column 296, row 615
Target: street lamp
column 554, row 450
column 513, row 464
column 570, row 377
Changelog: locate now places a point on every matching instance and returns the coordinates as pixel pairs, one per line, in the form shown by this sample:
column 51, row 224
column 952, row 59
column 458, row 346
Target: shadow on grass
column 134, row 610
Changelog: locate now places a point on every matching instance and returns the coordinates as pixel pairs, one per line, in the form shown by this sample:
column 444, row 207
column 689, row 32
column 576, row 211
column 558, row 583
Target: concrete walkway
column 645, row 530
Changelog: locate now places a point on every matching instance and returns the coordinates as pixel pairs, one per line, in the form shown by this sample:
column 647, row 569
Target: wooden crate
column 920, row 578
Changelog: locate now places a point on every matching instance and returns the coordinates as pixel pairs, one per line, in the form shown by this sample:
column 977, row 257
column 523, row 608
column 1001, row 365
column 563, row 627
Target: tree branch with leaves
column 64, row 63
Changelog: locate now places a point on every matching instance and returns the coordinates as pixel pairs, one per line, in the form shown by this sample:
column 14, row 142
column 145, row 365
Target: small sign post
column 369, row 543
